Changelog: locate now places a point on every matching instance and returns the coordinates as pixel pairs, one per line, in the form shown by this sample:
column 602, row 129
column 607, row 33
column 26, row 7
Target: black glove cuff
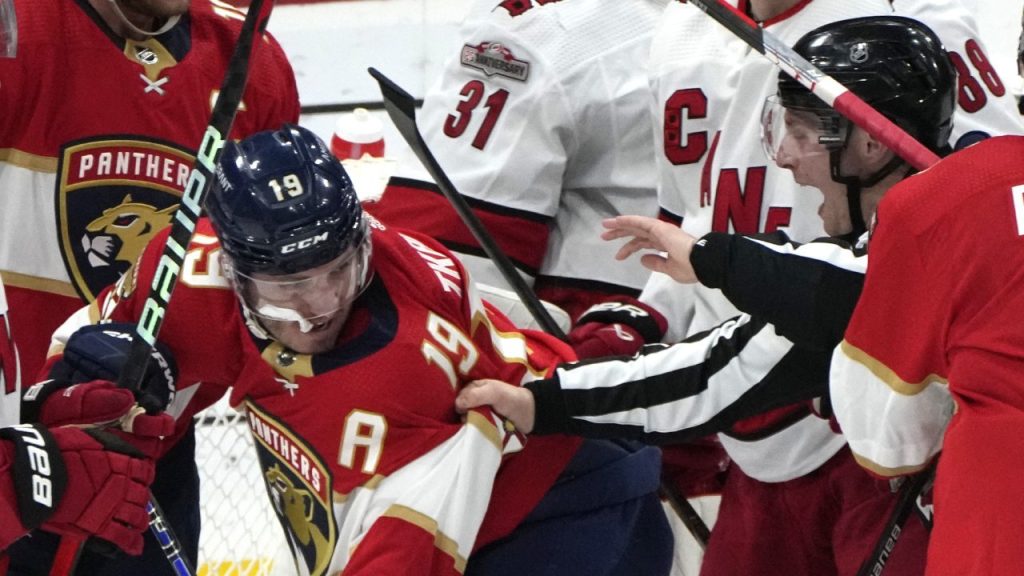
column 40, row 477
column 35, row 396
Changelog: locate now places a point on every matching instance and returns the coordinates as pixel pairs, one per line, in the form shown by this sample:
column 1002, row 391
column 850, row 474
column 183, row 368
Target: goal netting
column 240, row 533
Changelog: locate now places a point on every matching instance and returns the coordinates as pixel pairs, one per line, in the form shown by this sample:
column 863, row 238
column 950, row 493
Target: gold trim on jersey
column 517, row 340
column 487, row 428
column 38, row 284
column 29, row 161
column 887, row 472
column 150, row 54
column 372, row 484
column 886, row 374
column 442, row 542
column 287, row 363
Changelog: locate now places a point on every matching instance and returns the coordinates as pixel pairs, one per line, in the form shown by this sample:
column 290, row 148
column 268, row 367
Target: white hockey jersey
column 542, row 121
column 709, row 88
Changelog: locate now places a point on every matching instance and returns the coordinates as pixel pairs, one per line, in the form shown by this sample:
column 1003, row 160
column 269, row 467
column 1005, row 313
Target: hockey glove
column 618, row 328
column 102, row 403
column 76, row 482
column 99, row 352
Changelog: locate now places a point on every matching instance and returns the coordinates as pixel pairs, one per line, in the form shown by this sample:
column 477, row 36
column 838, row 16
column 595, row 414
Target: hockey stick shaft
column 401, row 108
column 182, row 228
column 820, row 84
column 911, row 489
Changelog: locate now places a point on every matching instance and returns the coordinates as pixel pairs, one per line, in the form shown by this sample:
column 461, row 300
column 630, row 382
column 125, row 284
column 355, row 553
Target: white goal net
column 240, row 533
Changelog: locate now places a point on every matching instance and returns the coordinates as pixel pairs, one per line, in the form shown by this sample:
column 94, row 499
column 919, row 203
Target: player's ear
column 872, row 155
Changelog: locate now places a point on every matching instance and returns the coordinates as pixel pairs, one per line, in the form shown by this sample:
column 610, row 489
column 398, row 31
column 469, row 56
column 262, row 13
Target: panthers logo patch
column 113, row 196
column 300, row 488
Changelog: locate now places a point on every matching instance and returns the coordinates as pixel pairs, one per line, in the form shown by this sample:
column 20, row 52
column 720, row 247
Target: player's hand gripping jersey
column 361, row 447
column 97, row 138
column 542, row 121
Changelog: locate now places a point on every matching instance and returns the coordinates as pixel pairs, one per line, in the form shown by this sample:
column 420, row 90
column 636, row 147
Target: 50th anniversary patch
column 494, row 58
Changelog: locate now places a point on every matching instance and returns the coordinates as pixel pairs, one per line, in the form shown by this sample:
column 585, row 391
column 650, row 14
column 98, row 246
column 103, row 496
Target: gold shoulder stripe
column 886, row 374
column 29, row 161
column 38, row 284
column 427, row 524
column 371, row 484
column 887, row 472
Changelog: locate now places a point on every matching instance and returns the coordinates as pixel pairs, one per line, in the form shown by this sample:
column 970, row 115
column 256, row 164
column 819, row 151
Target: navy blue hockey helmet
column 282, row 204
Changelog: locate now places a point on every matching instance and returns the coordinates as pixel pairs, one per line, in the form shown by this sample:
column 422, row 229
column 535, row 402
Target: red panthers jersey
column 361, row 446
column 932, row 359
column 96, row 143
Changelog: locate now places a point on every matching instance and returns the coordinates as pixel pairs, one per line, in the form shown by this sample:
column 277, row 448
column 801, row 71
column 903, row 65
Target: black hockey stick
column 182, row 227
column 822, row 85
column 911, row 489
column 401, row 108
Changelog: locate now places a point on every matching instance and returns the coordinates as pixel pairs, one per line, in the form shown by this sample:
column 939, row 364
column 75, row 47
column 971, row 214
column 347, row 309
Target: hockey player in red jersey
column 542, row 120
column 940, row 317
column 104, row 103
column 799, row 299
column 346, row 342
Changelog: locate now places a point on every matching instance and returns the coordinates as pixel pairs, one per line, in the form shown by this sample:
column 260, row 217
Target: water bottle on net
column 358, row 134
column 358, row 141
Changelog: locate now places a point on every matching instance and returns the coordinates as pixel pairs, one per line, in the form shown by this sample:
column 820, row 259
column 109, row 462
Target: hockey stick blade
column 182, row 227
column 401, row 108
column 828, row 89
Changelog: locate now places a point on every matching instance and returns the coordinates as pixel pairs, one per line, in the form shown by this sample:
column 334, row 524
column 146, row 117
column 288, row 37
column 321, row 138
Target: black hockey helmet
column 281, row 203
column 895, row 64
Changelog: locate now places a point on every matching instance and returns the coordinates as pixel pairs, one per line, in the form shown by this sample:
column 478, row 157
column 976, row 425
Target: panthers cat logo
column 299, row 485
column 131, row 224
column 113, row 196
column 296, row 507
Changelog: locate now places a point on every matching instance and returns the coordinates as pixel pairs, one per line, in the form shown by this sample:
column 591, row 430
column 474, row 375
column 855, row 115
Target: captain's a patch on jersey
column 494, row 58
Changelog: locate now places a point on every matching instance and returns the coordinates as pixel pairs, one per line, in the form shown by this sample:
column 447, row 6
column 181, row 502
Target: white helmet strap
column 124, row 19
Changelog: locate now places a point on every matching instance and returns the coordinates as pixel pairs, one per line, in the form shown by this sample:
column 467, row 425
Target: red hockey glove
column 617, row 328
column 78, row 482
column 102, row 403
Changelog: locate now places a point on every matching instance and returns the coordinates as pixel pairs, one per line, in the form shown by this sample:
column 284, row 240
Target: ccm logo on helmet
column 39, row 462
column 304, row 243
